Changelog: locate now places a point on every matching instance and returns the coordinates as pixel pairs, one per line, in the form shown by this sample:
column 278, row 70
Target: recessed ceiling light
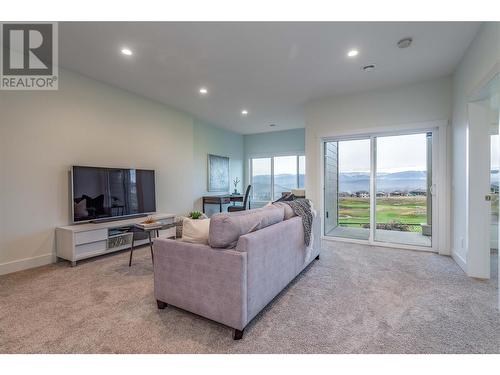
column 368, row 68
column 126, row 51
column 352, row 53
column 244, row 112
column 203, row 91
column 405, row 42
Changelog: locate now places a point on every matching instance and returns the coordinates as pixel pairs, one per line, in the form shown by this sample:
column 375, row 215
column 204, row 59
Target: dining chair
column 246, row 201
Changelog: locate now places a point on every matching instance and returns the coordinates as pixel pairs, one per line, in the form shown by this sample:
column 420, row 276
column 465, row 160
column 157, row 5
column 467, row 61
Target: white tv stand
column 82, row 241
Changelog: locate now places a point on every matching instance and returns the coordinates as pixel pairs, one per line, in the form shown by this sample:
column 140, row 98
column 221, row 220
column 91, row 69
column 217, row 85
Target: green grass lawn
column 355, row 212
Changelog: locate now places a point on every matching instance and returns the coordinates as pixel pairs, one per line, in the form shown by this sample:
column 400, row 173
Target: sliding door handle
column 432, row 189
column 491, row 197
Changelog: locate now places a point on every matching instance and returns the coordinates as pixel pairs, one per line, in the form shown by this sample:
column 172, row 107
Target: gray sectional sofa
column 253, row 255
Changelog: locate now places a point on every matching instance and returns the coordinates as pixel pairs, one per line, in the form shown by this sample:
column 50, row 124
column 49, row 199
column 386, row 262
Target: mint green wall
column 273, row 143
column 209, row 139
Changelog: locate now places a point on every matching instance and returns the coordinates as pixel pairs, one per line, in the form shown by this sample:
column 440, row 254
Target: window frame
column 272, row 156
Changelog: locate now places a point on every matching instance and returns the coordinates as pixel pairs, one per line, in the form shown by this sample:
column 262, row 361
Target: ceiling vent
column 368, row 68
column 405, row 42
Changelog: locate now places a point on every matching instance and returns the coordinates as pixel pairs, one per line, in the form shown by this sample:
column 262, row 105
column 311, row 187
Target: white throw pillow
column 299, row 193
column 195, row 231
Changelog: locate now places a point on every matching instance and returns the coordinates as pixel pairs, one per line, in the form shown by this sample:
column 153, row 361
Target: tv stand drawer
column 90, row 249
column 91, row 236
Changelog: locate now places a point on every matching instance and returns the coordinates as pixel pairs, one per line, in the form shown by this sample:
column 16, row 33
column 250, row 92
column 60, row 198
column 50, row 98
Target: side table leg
column 151, row 247
column 131, row 251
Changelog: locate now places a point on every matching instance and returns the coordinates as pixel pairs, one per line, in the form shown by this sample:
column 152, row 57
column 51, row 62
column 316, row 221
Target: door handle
column 490, row 197
column 432, row 189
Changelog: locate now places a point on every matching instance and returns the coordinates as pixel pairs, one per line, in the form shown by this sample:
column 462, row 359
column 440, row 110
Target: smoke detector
column 405, row 42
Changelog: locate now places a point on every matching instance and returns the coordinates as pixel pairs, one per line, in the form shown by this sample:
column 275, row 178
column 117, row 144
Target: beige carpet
column 355, row 299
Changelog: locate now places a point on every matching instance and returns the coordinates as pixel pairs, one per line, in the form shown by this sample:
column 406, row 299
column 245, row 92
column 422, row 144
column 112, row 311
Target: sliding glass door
column 347, row 188
column 380, row 188
column 403, row 184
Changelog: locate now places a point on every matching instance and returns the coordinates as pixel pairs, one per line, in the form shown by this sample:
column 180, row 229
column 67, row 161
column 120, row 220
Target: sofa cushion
column 226, row 228
column 287, row 210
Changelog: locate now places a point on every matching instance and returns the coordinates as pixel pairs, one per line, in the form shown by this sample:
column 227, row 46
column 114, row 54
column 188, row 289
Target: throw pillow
column 299, row 193
column 285, row 198
column 195, row 231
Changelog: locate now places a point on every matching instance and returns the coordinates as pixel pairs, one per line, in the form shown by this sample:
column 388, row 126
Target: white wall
column 480, row 59
column 86, row 123
column 388, row 109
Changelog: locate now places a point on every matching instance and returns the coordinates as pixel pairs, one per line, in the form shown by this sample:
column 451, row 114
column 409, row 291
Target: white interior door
column 479, row 207
column 494, row 184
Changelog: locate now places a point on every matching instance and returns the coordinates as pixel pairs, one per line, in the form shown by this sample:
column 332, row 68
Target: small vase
column 235, row 191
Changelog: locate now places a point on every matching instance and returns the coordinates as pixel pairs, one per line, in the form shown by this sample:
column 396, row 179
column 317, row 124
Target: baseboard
column 26, row 263
column 459, row 260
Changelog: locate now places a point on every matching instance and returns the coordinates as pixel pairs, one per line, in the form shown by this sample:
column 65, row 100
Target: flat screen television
column 107, row 193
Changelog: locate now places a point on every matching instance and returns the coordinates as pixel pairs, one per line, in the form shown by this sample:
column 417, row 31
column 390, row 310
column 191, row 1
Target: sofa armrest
column 275, row 255
column 208, row 282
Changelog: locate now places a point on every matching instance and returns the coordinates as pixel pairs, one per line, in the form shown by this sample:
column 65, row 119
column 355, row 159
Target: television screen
column 100, row 193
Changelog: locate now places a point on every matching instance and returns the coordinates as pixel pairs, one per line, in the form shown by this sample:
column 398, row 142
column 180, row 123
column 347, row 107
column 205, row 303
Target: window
column 272, row 176
column 261, row 179
column 302, row 172
column 285, row 175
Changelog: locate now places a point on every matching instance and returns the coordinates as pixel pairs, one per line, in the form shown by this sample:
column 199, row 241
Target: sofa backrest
column 226, row 228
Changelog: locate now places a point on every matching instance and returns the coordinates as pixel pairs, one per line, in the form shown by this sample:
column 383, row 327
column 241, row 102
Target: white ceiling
column 271, row 69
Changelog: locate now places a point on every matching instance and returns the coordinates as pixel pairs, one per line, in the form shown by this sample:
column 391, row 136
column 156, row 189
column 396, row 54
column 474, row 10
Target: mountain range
column 351, row 182
column 387, row 182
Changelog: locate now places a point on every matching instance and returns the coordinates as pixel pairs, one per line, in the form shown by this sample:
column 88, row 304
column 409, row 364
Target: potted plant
column 236, row 181
column 195, row 215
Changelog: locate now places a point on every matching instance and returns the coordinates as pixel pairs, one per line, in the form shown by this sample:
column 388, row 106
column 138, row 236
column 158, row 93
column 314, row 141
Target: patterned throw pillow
column 286, row 198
